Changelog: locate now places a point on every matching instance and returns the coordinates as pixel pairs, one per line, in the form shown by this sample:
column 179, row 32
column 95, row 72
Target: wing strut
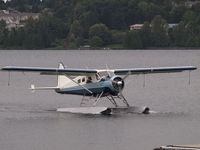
column 144, row 81
column 8, row 78
column 189, row 78
column 98, row 98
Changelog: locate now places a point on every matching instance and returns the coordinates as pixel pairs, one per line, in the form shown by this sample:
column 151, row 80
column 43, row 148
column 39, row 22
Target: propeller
column 118, row 83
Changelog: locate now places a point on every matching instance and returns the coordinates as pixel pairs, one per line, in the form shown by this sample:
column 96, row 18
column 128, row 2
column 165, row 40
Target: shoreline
column 152, row 48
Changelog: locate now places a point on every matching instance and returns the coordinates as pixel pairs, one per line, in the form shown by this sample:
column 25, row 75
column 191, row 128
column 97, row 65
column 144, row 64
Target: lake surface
column 27, row 124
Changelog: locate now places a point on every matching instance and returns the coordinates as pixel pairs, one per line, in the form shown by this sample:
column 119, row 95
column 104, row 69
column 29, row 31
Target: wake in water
column 8, row 108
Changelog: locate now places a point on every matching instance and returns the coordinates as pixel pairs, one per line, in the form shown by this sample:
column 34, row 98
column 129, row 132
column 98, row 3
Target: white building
column 136, row 27
column 13, row 18
column 139, row 26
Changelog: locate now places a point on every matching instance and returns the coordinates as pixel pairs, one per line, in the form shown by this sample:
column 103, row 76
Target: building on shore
column 15, row 18
column 136, row 27
column 139, row 26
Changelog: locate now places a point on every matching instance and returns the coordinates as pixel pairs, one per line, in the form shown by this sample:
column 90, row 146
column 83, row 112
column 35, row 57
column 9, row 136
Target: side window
column 89, row 80
column 83, row 80
column 79, row 80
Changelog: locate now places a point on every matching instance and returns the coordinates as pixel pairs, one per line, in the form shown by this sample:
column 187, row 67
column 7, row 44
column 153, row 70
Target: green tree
column 25, row 5
column 10, row 39
column 2, row 5
column 101, row 31
column 77, row 32
column 179, row 35
column 159, row 28
column 196, row 8
column 177, row 13
column 192, row 23
column 76, row 29
column 96, row 41
column 88, row 19
column 133, row 40
column 189, row 16
column 118, row 36
column 20, row 36
column 42, row 33
column 3, row 31
column 146, row 35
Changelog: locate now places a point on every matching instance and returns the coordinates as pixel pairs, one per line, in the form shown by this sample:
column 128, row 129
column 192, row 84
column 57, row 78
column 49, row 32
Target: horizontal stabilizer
column 42, row 88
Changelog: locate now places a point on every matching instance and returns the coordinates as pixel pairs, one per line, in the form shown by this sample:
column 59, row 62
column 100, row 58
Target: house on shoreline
column 14, row 18
column 139, row 26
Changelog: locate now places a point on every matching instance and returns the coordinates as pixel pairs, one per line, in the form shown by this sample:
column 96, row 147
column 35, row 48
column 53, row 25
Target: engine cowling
column 117, row 83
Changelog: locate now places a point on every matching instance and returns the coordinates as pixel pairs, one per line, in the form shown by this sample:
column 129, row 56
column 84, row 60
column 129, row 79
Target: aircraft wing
column 153, row 70
column 85, row 72
column 51, row 71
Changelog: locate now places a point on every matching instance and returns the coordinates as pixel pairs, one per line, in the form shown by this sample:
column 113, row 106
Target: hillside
column 103, row 23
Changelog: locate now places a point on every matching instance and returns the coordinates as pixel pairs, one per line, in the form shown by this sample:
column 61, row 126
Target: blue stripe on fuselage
column 96, row 88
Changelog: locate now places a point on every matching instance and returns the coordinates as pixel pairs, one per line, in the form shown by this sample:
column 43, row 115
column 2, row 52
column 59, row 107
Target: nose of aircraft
column 119, row 83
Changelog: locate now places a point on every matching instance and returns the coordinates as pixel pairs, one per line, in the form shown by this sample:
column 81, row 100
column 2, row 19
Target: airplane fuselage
column 107, row 87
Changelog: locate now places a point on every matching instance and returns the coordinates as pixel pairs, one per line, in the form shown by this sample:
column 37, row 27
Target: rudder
column 62, row 79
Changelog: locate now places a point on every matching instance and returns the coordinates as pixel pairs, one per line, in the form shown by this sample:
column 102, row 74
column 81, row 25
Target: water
column 26, row 123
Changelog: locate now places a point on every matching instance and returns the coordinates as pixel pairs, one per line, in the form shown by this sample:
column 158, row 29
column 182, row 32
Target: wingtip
column 4, row 68
column 193, row 67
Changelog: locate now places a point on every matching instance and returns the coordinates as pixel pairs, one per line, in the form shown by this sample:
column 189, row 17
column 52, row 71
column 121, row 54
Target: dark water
column 26, row 123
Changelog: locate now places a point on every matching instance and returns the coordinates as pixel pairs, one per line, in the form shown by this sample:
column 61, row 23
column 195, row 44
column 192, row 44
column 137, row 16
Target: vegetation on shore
column 103, row 24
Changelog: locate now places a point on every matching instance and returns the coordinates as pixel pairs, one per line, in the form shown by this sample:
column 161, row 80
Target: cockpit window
column 97, row 77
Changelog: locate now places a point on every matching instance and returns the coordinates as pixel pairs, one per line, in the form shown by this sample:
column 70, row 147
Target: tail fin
column 62, row 79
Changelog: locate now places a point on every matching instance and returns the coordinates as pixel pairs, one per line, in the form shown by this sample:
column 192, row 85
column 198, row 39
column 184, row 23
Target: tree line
column 74, row 23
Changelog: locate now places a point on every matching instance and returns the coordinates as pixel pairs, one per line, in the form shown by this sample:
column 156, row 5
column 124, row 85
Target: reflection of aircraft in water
column 94, row 83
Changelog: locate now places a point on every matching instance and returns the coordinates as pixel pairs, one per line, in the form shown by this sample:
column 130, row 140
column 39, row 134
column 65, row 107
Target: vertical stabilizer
column 62, row 79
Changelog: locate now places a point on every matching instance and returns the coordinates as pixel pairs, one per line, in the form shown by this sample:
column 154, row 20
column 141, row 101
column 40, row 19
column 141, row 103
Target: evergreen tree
column 3, row 32
column 133, row 40
column 179, row 35
column 146, row 35
column 159, row 28
column 101, row 31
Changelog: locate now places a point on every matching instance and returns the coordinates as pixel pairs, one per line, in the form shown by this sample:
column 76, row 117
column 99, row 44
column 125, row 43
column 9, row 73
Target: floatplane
column 95, row 84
